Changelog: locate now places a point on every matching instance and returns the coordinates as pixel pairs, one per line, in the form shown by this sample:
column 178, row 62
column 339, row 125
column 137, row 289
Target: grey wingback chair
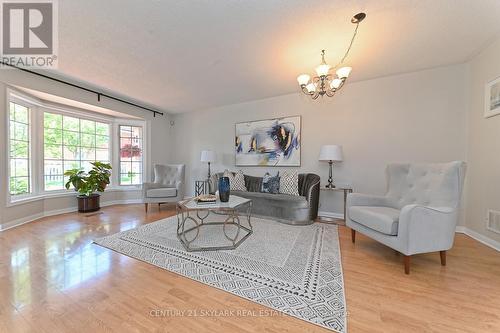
column 168, row 185
column 419, row 212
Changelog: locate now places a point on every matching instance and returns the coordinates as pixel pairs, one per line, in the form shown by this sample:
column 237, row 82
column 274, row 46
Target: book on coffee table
column 206, row 199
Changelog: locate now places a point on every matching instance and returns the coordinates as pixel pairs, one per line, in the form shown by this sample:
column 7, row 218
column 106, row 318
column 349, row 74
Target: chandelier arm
column 330, row 92
column 349, row 48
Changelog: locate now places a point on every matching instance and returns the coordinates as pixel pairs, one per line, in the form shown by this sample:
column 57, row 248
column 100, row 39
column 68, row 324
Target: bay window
column 46, row 140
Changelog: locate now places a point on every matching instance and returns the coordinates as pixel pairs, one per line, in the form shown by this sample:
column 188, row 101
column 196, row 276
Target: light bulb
column 311, row 87
column 303, row 79
column 335, row 83
column 323, row 69
column 343, row 72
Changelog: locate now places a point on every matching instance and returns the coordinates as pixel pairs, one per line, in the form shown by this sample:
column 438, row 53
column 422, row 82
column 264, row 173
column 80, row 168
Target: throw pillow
column 236, row 180
column 289, row 183
column 270, row 184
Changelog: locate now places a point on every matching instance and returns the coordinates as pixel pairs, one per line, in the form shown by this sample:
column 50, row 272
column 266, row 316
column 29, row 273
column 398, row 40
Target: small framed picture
column 492, row 98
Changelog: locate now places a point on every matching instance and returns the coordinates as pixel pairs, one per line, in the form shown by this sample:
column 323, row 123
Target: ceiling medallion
column 326, row 83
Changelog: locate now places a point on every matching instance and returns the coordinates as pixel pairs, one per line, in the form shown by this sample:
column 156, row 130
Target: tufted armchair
column 168, row 185
column 419, row 212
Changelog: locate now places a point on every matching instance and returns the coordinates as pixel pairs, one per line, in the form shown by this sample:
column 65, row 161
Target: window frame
column 37, row 168
column 32, row 181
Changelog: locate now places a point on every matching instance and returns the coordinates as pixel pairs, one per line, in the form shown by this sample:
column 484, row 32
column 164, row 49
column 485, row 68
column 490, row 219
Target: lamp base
column 330, row 185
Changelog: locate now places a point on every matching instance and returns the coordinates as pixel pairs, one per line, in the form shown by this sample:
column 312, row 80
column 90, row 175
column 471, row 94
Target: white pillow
column 289, row 183
column 236, row 181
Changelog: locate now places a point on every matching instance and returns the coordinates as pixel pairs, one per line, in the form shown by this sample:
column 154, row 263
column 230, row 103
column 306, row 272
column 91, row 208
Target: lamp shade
column 331, row 153
column 207, row 156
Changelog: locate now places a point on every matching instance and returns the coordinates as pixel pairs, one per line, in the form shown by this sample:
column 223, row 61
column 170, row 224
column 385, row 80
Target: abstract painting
column 271, row 142
column 492, row 98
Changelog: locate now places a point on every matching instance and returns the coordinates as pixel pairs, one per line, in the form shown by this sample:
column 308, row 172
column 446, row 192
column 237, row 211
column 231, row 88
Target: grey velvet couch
column 289, row 209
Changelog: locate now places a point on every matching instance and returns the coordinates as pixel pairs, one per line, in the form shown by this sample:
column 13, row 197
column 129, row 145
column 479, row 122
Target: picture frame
column 269, row 142
column 492, row 98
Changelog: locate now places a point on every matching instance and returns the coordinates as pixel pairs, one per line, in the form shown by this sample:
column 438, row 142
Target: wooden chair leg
column 407, row 264
column 353, row 235
column 146, row 207
column 159, row 208
column 443, row 257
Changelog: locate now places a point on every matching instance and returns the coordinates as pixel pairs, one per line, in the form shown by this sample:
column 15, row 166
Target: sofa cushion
column 381, row 219
column 276, row 199
column 163, row 192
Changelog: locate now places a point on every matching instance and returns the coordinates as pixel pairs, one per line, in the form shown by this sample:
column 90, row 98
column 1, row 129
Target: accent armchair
column 419, row 212
column 168, row 185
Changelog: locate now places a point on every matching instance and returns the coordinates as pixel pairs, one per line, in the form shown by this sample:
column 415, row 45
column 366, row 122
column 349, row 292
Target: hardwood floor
column 52, row 279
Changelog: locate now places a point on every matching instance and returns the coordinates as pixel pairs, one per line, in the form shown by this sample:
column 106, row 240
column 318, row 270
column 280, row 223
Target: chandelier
column 326, row 83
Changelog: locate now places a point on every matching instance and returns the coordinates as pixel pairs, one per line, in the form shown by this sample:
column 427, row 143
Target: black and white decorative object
column 289, row 183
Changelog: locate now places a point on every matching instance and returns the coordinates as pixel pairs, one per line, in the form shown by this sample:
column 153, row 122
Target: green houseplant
column 87, row 184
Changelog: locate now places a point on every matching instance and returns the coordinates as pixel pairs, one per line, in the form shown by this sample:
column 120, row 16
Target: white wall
column 483, row 146
column 415, row 117
column 159, row 152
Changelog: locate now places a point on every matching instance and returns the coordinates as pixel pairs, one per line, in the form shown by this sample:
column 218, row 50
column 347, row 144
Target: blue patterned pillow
column 271, row 184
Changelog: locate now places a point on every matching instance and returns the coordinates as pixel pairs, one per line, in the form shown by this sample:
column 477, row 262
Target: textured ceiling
column 187, row 55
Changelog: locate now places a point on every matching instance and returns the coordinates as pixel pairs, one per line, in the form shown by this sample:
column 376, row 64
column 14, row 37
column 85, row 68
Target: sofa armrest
column 427, row 229
column 312, row 197
column 358, row 199
column 179, row 185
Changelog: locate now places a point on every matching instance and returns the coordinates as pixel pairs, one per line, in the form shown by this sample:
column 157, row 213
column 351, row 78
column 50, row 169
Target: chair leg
column 353, row 235
column 146, row 207
column 407, row 264
column 443, row 257
column 159, row 208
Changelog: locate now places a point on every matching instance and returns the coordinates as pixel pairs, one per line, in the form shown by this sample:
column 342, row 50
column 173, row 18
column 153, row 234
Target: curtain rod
column 99, row 94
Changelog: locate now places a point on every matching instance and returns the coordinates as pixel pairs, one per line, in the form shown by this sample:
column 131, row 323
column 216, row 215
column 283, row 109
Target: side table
column 346, row 191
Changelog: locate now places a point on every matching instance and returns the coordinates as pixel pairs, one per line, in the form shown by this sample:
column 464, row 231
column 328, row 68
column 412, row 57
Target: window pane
column 102, row 129
column 125, row 131
column 19, row 185
column 52, row 120
column 102, row 141
column 21, row 131
column 136, row 179
column 87, row 126
column 69, row 165
column 71, row 124
column 19, row 149
column 54, row 183
column 88, row 154
column 71, row 138
column 125, row 179
column 53, row 151
column 53, row 168
column 88, row 140
column 78, row 149
column 71, row 153
column 21, row 114
column 52, row 136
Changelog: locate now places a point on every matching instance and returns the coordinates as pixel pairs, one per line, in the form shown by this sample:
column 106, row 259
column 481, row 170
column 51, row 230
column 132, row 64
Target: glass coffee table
column 193, row 219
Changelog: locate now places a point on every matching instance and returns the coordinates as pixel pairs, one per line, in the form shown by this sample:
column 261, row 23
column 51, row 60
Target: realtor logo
column 29, row 34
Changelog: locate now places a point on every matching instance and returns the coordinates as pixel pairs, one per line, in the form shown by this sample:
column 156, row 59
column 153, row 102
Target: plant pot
column 88, row 204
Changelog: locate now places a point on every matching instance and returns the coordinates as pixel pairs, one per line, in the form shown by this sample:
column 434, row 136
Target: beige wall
column 416, row 117
column 159, row 152
column 483, row 144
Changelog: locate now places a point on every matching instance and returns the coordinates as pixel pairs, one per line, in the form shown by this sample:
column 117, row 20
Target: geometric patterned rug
column 293, row 269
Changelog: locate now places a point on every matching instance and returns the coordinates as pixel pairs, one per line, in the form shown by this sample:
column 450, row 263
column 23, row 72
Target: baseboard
column 479, row 237
column 331, row 215
column 31, row 218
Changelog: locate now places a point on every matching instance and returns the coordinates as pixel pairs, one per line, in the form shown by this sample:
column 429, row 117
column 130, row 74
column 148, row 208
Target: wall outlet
column 493, row 221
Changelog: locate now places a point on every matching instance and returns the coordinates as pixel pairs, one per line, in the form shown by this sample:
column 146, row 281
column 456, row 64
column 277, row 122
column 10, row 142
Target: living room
column 189, row 167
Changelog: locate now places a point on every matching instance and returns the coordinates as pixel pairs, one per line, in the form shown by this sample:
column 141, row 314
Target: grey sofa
column 289, row 209
column 168, row 185
column 418, row 214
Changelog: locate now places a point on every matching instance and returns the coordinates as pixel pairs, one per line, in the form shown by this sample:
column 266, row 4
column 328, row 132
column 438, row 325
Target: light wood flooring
column 53, row 279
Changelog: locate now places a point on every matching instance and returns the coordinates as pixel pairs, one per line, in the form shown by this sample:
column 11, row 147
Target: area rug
column 293, row 269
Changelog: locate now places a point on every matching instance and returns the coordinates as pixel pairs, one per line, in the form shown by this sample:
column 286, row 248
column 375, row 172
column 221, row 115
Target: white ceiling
column 187, row 55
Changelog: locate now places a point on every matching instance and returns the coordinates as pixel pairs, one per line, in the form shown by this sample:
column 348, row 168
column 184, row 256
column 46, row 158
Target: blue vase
column 224, row 189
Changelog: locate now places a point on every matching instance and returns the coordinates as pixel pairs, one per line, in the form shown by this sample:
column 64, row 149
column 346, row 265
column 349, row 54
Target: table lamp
column 208, row 156
column 330, row 153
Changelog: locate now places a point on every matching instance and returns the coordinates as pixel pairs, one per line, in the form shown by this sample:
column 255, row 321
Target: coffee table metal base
column 184, row 216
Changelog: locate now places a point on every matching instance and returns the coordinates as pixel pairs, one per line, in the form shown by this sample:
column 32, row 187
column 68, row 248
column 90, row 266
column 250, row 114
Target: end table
column 346, row 191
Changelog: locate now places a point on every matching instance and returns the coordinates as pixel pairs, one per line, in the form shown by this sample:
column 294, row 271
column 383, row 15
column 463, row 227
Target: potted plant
column 87, row 184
